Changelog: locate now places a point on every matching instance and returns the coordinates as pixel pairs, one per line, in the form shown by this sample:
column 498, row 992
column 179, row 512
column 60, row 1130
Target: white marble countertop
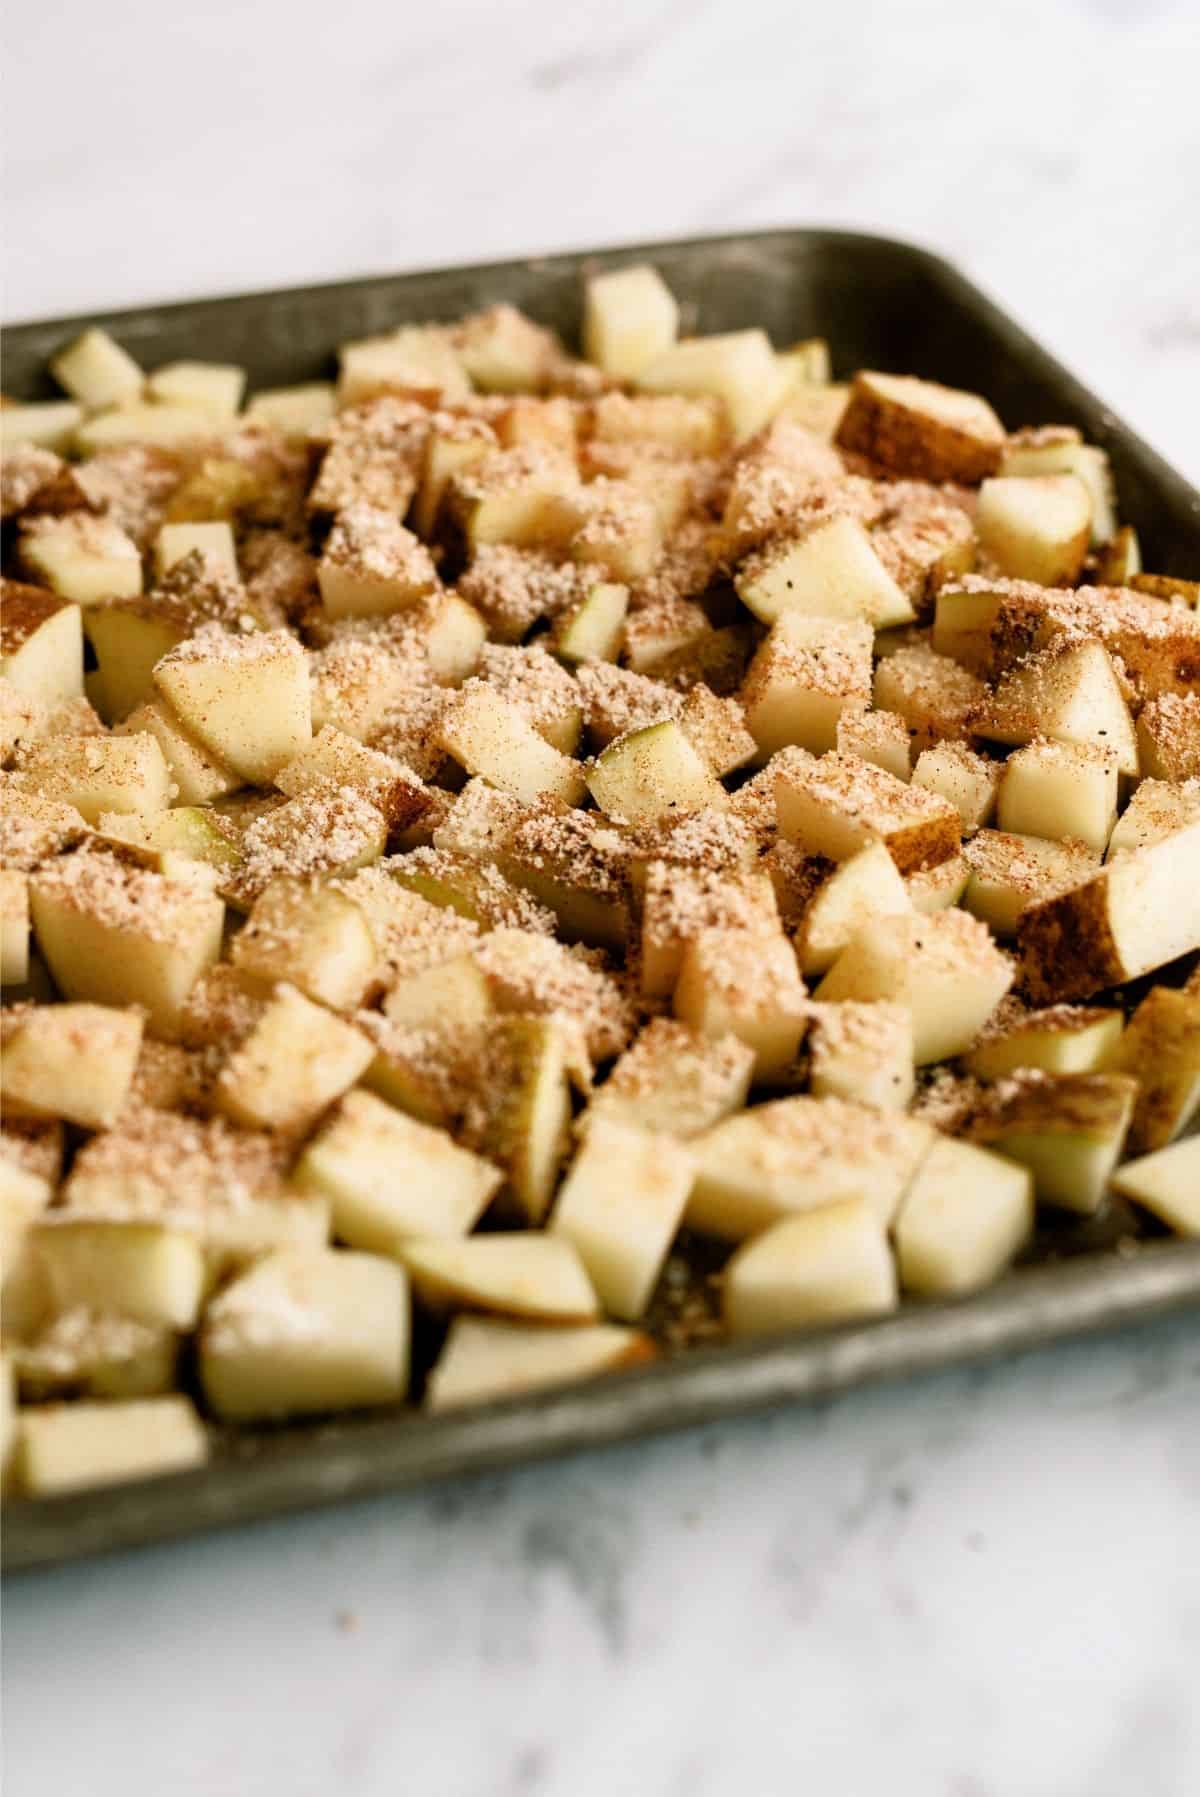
column 979, row 1585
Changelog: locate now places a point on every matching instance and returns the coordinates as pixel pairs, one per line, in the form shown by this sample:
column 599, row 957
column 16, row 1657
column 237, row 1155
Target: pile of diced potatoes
column 475, row 826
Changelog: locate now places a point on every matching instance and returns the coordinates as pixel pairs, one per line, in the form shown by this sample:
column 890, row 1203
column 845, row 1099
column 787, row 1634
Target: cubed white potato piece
column 68, row 1447
column 162, row 425
column 1059, row 790
column 138, row 1270
column 489, row 735
column 518, row 1273
column 97, row 1354
column 934, row 694
column 881, row 737
column 865, row 886
column 295, row 1062
column 921, row 428
column 966, row 1217
column 294, row 411
column 1168, row 735
column 245, row 697
column 738, row 368
column 747, row 984
column 831, row 1266
column 372, row 566
column 215, row 387
column 1009, row 873
column 1067, row 1128
column 679, row 903
column 808, row 362
column 420, row 358
column 1161, row 1050
column 964, row 779
column 14, row 927
column 306, row 1331
column 214, row 540
column 653, row 773
column 486, row 1358
column 1167, row 1183
column 862, row 1052
column 503, row 351
column 1063, row 1039
column 1141, row 911
column 1089, row 465
column 1157, row 809
column 41, row 644
column 1068, row 692
column 96, row 371
column 99, row 774
column 630, row 316
column 944, row 967
column 797, row 1154
column 1036, row 527
column 527, row 497
column 391, row 1180
column 803, row 679
column 673, row 1081
column 197, row 776
column 836, row 805
column 71, row 1061
column 621, row 1205
column 717, row 729
column 830, row 570
column 452, row 448
column 82, row 557
column 120, row 935
column 333, row 760
column 936, row 888
column 48, row 424
column 25, row 1191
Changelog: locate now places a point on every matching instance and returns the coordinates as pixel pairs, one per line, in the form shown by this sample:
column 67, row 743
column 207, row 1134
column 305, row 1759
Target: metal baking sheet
column 882, row 304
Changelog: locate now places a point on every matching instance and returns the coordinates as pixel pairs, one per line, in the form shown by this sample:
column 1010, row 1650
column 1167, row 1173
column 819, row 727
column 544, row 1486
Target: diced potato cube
column 196, row 776
column 964, row 779
column 215, row 541
column 944, row 967
column 245, row 697
column 673, row 1081
column 830, row 570
column 296, row 1060
column 139, row 1270
column 517, row 1274
column 294, row 411
column 71, row 1061
column 803, row 679
column 880, row 737
column 51, row 424
column 1161, row 1050
column 630, row 317
column 862, row 1052
column 1167, row 1183
column 526, row 1107
column 836, row 805
column 146, row 424
column 592, row 630
column 931, row 692
column 67, row 1447
column 14, row 927
column 1037, row 527
column 527, row 497
column 96, row 371
column 488, row 735
column 1089, row 465
column 679, row 903
column 1068, row 692
column 97, row 1354
column 738, row 368
column 414, row 358
column 1067, row 1128
column 1010, row 873
column 864, row 887
column 306, row 1331
column 41, row 644
column 392, row 1180
column 1168, row 736
column 1060, row 790
column 651, row 773
column 486, row 1358
column 215, row 387
column 621, row 1205
column 922, row 429
column 967, row 1215
column 82, row 557
column 372, row 565
column 1063, row 1039
column 120, row 935
column 96, row 774
column 1158, row 809
column 831, row 1266
column 798, row 1154
column 741, row 983
column 503, row 351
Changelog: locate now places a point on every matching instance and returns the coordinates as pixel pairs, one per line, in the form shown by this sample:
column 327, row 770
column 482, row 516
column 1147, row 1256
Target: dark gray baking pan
column 882, row 304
